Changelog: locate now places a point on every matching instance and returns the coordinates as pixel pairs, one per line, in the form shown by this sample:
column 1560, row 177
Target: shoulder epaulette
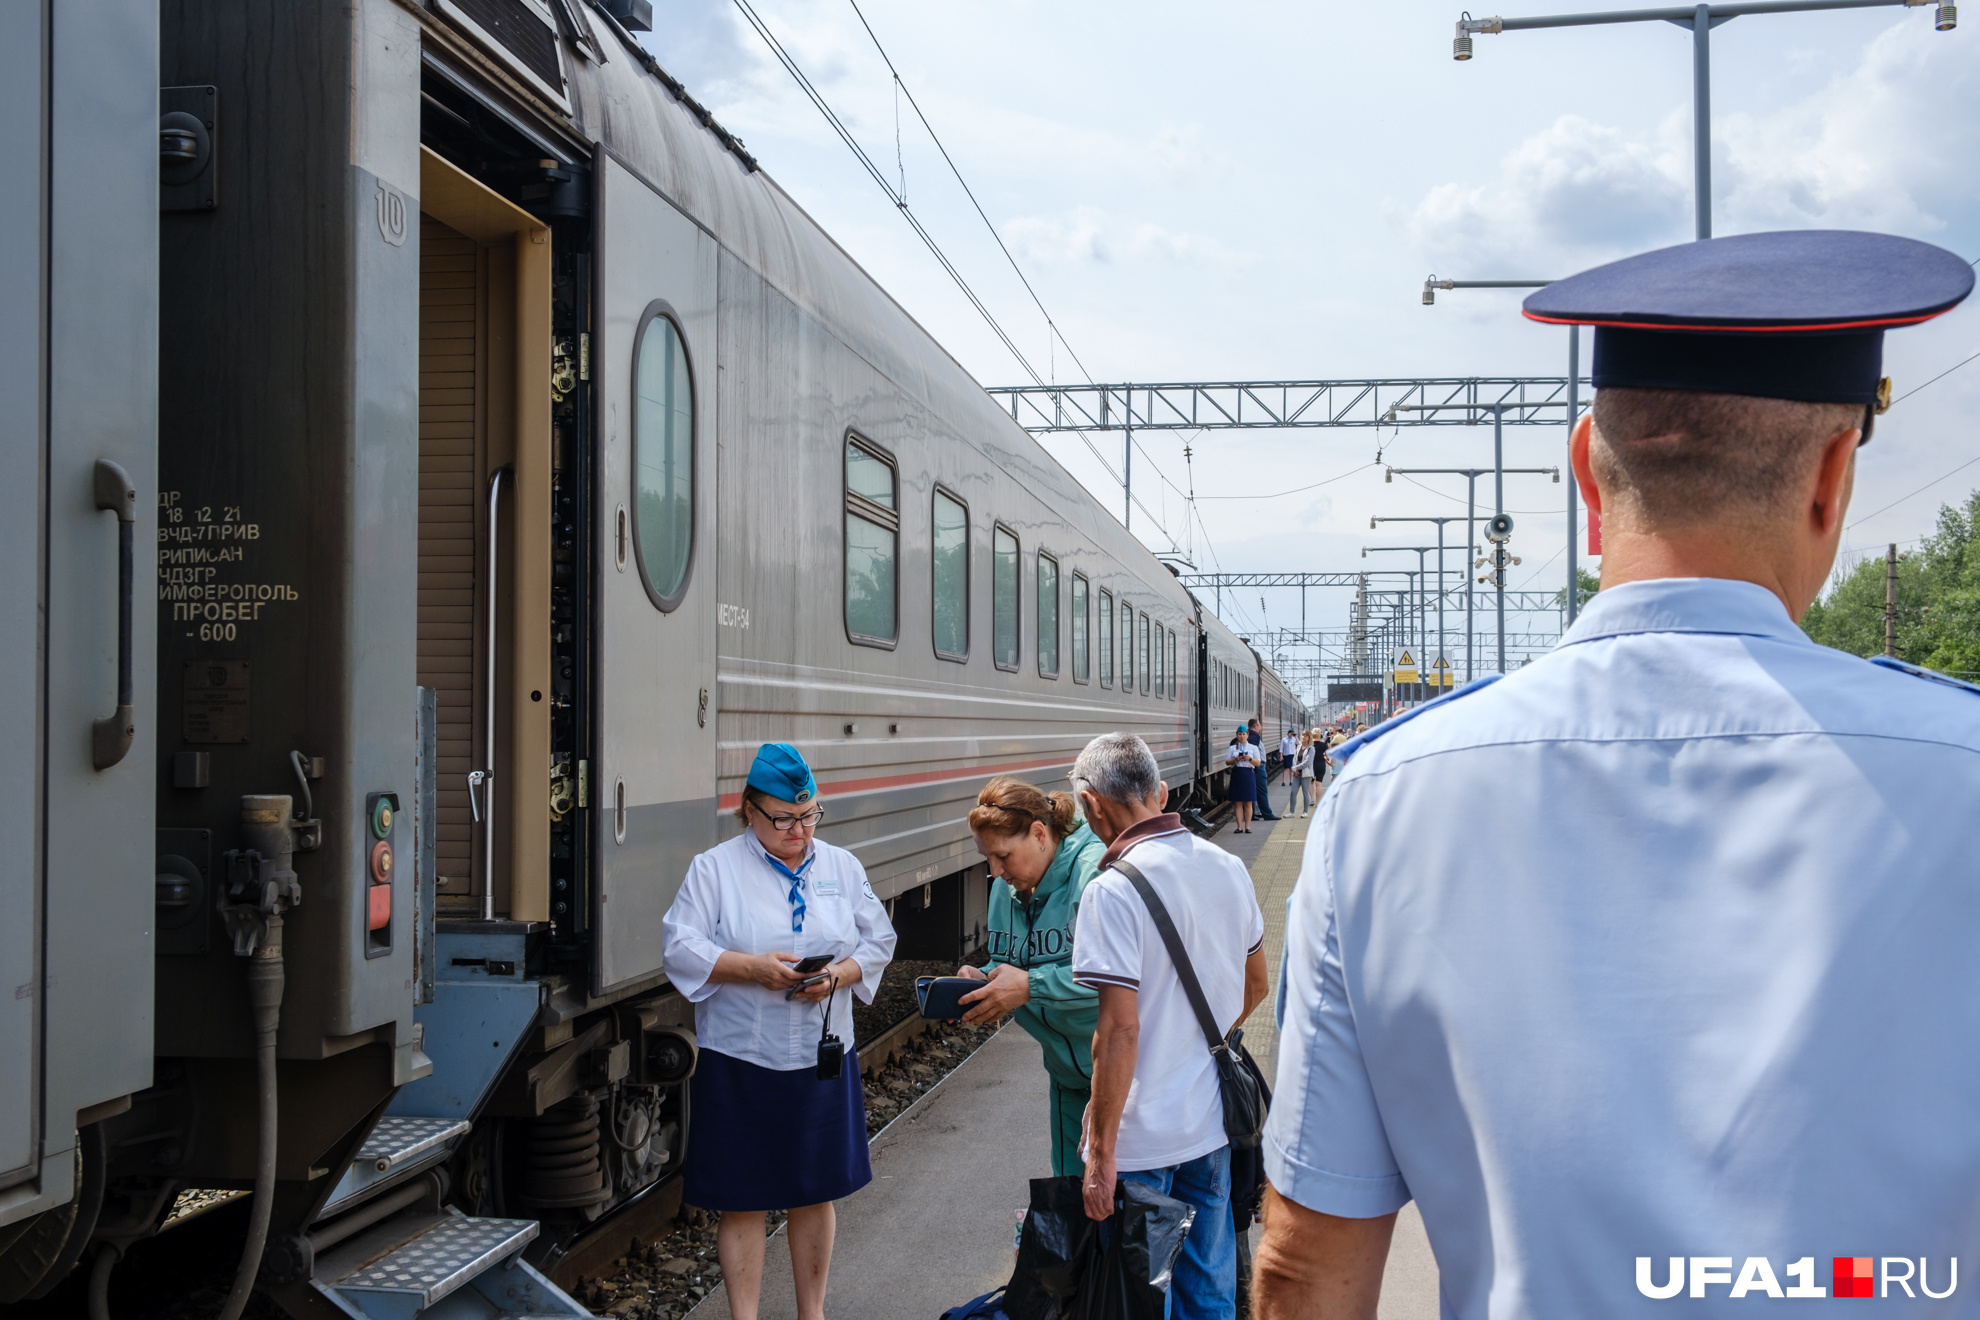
column 1919, row 671
column 1340, row 755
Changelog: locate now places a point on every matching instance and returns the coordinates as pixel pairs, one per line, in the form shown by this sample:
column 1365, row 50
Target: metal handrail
column 484, row 779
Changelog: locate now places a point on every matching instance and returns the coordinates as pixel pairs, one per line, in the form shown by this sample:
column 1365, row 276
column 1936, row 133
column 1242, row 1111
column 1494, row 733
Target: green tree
column 1589, row 584
column 1938, row 599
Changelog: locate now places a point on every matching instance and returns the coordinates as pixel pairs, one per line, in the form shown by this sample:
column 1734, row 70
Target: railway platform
column 936, row 1226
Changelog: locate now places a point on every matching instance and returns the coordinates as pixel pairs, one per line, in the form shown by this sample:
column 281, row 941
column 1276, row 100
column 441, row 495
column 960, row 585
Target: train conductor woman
column 771, row 935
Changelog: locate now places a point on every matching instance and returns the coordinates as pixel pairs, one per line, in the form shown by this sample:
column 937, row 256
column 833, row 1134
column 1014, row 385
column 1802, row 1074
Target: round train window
column 663, row 457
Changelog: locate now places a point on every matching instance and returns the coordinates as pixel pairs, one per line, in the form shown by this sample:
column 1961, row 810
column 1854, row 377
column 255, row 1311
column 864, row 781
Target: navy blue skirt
column 1244, row 784
column 760, row 1139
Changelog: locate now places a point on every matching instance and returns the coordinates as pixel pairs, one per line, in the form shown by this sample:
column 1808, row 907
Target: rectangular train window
column 1175, row 685
column 1143, row 667
column 1161, row 675
column 1004, row 597
column 1127, row 647
column 950, row 558
column 1082, row 666
column 1106, row 639
column 873, row 529
column 1048, row 615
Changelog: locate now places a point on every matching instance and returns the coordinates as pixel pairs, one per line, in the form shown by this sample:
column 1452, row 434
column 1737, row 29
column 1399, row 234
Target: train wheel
column 36, row 1254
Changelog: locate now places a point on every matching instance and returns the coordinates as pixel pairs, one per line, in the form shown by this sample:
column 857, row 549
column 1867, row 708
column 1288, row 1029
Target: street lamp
column 1419, row 585
column 1471, row 476
column 1701, row 19
column 1469, row 551
column 1501, row 520
column 1574, row 408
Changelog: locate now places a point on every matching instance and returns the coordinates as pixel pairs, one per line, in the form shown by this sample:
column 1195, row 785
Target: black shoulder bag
column 1239, row 1081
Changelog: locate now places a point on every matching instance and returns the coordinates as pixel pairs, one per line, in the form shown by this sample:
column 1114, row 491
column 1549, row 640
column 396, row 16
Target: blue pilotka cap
column 1794, row 315
column 780, row 771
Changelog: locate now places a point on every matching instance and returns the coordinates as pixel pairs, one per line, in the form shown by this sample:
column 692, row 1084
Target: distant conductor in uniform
column 1688, row 1004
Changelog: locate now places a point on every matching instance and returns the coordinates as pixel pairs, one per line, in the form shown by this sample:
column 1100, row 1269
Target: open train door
column 652, row 791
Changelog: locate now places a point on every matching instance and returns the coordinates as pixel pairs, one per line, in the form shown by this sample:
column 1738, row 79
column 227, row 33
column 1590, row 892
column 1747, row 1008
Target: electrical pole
column 1127, row 458
column 1890, row 600
column 1499, row 511
column 1574, row 513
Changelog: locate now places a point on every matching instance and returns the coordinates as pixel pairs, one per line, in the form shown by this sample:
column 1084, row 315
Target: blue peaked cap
column 781, row 772
column 1793, row 315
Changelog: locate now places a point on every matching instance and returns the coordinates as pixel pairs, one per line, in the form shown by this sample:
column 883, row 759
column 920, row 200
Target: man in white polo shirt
column 1156, row 1116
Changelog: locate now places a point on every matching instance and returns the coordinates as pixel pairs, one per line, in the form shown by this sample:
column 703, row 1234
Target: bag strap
column 1178, row 955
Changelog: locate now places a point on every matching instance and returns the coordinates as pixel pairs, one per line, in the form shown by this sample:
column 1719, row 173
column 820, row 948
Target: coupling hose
column 265, row 979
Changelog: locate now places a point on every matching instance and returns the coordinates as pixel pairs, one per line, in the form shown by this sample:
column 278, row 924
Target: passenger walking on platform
column 1716, row 1002
column 1300, row 766
column 1261, row 782
column 1157, row 1113
column 1043, row 856
column 1241, row 788
column 779, row 1117
column 1288, row 754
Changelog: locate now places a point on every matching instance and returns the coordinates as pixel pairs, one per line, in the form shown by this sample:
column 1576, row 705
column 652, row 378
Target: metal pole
column 1127, row 460
column 1574, row 512
column 1498, row 507
column 1440, row 602
column 1890, row 600
column 1470, row 573
column 1701, row 115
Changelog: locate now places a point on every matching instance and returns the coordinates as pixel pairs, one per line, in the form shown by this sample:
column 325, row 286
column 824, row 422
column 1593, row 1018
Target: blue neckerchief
column 796, row 878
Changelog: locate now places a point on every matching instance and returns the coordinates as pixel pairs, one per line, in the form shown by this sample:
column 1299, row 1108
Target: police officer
column 1688, row 1005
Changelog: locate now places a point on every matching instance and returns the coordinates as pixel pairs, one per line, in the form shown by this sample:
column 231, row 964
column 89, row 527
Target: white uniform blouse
column 735, row 898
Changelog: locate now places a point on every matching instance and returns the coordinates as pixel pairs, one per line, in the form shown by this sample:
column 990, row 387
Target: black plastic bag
column 1070, row 1267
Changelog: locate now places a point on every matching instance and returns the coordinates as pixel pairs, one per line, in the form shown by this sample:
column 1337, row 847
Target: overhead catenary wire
column 1920, row 491
column 838, row 126
column 898, row 196
column 967, row 192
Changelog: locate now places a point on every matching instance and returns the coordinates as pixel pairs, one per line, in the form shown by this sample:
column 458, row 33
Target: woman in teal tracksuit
column 1043, row 855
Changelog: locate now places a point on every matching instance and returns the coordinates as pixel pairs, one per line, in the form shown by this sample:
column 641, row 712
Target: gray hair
column 1118, row 767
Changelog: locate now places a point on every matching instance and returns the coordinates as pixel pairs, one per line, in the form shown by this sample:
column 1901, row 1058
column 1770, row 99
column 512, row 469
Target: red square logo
column 1852, row 1276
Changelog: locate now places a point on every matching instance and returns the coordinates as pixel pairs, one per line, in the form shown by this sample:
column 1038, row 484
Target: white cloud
column 1881, row 145
column 1574, row 192
column 1087, row 234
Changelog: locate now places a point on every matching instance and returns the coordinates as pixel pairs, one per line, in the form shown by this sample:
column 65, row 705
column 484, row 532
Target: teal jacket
column 1036, row 933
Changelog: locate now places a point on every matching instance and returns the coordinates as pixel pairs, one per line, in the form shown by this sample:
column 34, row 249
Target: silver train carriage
column 517, row 458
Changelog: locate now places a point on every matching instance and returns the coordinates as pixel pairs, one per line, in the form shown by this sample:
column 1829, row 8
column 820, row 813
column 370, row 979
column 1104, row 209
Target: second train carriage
column 525, row 458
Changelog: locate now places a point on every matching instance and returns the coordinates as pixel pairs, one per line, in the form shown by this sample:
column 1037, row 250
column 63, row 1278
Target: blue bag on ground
column 990, row 1306
column 1070, row 1267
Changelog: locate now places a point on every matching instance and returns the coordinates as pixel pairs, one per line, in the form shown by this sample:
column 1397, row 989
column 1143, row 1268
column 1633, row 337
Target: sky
column 1258, row 190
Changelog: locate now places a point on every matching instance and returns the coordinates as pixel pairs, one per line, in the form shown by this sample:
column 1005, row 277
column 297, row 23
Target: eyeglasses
column 809, row 820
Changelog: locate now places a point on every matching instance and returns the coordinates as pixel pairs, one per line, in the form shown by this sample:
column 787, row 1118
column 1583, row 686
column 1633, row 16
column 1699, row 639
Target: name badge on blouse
column 826, row 888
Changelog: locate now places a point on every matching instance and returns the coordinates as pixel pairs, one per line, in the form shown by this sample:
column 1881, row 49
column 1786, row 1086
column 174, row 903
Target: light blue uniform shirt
column 1665, row 945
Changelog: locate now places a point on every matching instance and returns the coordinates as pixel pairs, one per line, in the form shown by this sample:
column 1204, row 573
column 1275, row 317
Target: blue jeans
column 1264, row 798
column 1206, row 1282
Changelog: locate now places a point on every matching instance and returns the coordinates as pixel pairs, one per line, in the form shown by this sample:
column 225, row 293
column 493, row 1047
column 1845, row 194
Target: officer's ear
column 1584, row 470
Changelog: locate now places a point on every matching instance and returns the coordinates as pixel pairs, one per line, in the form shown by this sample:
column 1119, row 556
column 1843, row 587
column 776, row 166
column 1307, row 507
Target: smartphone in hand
column 807, row 981
column 817, row 962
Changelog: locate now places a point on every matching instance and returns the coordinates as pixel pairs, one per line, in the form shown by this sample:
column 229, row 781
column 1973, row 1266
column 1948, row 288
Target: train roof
column 647, row 123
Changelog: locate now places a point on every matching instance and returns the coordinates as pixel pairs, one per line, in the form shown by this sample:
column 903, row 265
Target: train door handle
column 110, row 738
